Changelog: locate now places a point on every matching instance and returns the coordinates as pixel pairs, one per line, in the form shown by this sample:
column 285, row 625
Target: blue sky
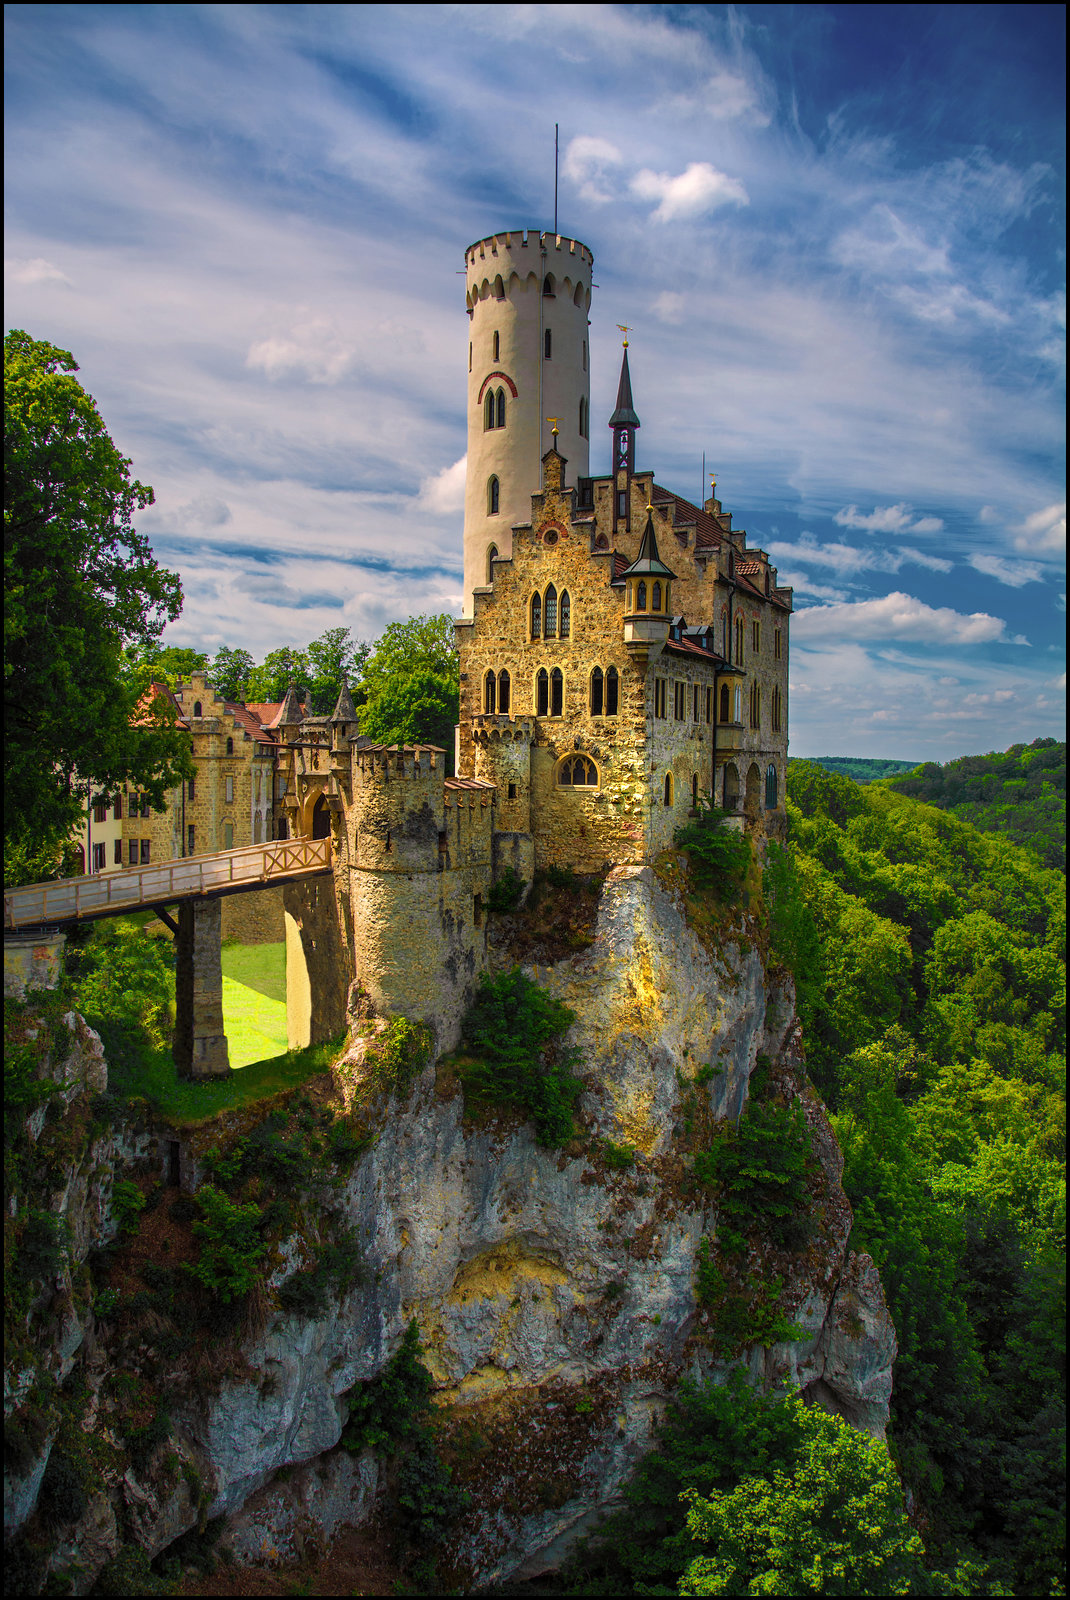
column 836, row 230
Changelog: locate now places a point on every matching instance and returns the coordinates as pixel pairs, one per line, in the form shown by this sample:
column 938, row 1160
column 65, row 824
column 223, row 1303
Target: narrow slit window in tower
column 547, row 343
column 497, row 346
column 668, row 788
column 493, row 497
column 492, row 555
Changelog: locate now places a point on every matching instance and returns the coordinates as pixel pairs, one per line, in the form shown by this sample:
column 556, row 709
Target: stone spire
column 624, row 423
column 345, row 710
column 624, row 416
column 291, row 715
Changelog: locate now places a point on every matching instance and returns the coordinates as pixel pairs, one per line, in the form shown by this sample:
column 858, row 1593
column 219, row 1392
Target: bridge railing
column 67, row 899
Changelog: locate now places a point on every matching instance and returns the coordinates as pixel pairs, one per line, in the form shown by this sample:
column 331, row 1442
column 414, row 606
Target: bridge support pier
column 319, row 966
column 200, row 1047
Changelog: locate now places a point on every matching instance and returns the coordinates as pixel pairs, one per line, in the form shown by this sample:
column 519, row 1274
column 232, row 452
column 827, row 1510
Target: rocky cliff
column 554, row 1290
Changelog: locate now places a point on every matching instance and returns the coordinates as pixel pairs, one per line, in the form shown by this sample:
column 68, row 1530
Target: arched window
column 601, row 543
column 755, row 705
column 488, row 411
column 655, row 598
column 612, row 686
column 536, row 616
column 694, row 791
column 723, row 716
column 493, row 497
column 489, row 695
column 737, row 704
column 503, row 693
column 542, row 692
column 775, row 710
column 770, row 788
column 491, row 557
column 577, row 771
column 549, row 620
column 547, row 343
column 230, row 747
column 557, row 692
column 501, row 408
column 499, row 288
column 640, row 595
column 597, row 692
column 739, row 641
column 548, row 286
column 668, row 788
column 497, row 347
column 565, row 615
column 196, row 708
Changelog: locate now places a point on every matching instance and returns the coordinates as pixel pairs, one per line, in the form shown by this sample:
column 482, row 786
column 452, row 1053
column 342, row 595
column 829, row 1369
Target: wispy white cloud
column 37, row 270
column 588, row 164
column 1013, row 574
column 692, row 193
column 888, row 519
column 444, row 493
column 1044, row 532
column 847, row 560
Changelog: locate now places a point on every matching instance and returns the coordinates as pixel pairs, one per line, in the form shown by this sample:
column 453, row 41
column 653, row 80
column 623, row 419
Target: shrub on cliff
column 231, row 1246
column 514, row 1032
column 719, row 855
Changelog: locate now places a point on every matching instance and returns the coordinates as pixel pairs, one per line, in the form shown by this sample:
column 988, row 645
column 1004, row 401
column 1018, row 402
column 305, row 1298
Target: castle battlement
column 392, row 763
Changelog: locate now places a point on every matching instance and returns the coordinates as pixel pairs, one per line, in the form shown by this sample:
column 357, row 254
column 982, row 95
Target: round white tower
column 528, row 295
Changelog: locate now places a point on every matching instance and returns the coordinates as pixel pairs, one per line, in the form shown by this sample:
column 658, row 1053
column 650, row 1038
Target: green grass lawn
column 184, row 1103
column 258, row 966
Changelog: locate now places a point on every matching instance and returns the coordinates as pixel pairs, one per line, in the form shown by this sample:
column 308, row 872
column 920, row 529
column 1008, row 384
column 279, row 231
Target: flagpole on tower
column 555, row 180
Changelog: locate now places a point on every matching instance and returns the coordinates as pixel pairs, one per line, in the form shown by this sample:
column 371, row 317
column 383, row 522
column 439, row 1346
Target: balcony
column 729, row 740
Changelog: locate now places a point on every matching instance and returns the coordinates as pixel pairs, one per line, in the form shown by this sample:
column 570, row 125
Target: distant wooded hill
column 1020, row 792
column 863, row 769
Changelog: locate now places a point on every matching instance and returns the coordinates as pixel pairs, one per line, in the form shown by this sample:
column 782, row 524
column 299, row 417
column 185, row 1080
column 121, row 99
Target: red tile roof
column 707, row 529
column 248, row 720
column 688, row 647
column 143, row 718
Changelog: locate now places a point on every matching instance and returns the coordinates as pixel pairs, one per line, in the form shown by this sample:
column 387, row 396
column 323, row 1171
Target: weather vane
column 553, row 430
column 626, row 330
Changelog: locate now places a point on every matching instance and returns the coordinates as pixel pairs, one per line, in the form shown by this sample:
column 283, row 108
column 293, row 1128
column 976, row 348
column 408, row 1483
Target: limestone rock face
column 554, row 1290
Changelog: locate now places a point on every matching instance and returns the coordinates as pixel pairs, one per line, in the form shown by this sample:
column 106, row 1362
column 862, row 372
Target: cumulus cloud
column 1044, row 531
column 444, row 493
column 588, row 163
column 669, row 307
column 37, row 270
column 888, row 519
column 899, row 617
column 699, row 189
column 1012, row 573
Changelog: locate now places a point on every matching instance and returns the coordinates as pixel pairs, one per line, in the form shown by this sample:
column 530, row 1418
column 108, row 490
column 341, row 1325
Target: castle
column 623, row 655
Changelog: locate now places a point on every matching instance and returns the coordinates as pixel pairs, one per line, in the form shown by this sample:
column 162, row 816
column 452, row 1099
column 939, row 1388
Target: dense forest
column 1020, row 792
column 863, row 769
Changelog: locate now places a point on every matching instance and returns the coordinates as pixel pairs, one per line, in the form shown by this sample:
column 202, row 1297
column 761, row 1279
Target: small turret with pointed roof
column 624, row 423
column 345, row 710
column 624, row 416
column 291, row 715
column 648, row 562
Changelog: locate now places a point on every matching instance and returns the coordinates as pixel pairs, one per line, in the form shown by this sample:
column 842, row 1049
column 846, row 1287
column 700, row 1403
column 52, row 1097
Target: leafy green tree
column 412, row 686
column 81, row 586
column 330, row 656
column 163, row 664
column 120, row 975
column 270, row 680
column 229, row 673
column 831, row 1524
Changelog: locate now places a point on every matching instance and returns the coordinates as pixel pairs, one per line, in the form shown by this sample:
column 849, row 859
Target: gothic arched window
column 724, row 703
column 668, row 788
column 655, row 598
column 503, row 692
column 565, row 615
column 597, row 692
column 770, row 788
column 612, row 688
column 536, row 616
column 542, row 692
column 557, row 692
column 489, row 697
column 492, row 553
column 549, row 620
column 501, row 408
column 578, row 772
column 640, row 596
column 739, row 641
column 493, row 497
column 775, row 710
column 488, row 411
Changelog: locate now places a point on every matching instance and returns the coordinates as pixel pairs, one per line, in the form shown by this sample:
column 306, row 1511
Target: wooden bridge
column 257, row 866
